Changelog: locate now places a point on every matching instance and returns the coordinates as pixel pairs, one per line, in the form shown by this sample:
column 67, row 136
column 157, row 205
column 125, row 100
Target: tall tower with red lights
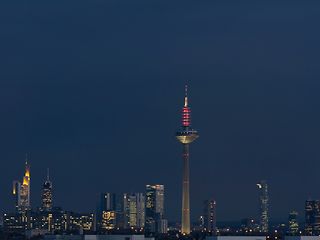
column 185, row 136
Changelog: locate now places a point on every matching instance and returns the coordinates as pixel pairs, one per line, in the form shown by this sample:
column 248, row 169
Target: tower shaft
column 185, row 223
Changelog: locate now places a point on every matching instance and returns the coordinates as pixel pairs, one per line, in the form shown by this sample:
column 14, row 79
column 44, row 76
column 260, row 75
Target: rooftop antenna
column 186, row 95
column 26, row 158
column 48, row 175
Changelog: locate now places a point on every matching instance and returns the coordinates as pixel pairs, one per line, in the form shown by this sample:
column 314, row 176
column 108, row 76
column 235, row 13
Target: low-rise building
column 236, row 238
column 302, row 238
column 96, row 237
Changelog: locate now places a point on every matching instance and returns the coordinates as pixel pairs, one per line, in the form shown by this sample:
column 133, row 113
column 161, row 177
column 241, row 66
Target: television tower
column 186, row 135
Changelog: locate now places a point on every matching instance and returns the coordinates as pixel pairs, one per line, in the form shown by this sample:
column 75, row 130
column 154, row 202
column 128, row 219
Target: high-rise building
column 136, row 207
column 263, row 206
column 108, row 202
column 185, row 136
column 21, row 191
column 47, row 201
column 293, row 224
column 107, row 211
column 154, row 208
column 312, row 217
column 201, row 225
column 162, row 226
column 209, row 216
column 16, row 193
column 123, row 221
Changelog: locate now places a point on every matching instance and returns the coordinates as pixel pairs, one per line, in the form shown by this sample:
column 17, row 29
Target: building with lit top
column 263, row 206
column 21, row 191
column 186, row 135
column 21, row 220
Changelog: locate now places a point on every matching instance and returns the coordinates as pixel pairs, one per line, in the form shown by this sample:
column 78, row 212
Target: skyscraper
column 312, row 215
column 21, row 191
column 154, row 207
column 263, row 206
column 107, row 211
column 136, row 204
column 293, row 224
column 126, row 210
column 209, row 215
column 186, row 135
column 47, row 201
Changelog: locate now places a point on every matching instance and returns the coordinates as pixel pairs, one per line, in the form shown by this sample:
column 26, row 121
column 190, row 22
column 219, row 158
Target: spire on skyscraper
column 26, row 158
column 48, row 177
column 27, row 168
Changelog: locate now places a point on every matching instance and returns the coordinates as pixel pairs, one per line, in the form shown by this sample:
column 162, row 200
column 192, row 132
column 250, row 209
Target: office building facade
column 47, row 195
column 263, row 206
column 209, row 216
column 312, row 217
column 155, row 209
column 293, row 224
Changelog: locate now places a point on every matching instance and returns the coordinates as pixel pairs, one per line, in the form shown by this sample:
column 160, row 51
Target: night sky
column 94, row 89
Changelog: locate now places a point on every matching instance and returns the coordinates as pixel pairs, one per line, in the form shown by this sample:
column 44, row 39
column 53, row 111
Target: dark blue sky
column 93, row 90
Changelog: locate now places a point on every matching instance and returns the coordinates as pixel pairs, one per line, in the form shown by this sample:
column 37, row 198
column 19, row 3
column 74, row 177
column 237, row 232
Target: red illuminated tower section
column 185, row 136
column 186, row 112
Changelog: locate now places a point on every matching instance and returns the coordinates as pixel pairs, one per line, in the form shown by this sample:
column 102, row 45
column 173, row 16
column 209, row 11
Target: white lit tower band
column 186, row 135
column 263, row 206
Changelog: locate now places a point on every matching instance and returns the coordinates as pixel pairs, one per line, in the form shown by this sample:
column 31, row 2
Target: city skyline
column 27, row 174
column 83, row 96
column 151, row 203
column 22, row 197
